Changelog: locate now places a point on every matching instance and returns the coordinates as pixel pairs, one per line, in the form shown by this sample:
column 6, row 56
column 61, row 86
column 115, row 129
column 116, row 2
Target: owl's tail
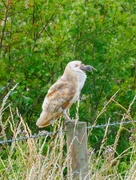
column 42, row 121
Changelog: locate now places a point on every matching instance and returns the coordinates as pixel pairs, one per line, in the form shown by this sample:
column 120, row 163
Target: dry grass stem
column 46, row 157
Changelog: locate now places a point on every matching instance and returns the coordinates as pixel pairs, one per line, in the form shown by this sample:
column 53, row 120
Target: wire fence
column 26, row 137
column 111, row 124
column 2, row 142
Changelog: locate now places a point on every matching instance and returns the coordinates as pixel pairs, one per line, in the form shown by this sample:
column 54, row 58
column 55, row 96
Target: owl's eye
column 76, row 65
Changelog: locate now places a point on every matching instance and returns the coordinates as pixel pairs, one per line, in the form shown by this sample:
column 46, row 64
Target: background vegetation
column 38, row 39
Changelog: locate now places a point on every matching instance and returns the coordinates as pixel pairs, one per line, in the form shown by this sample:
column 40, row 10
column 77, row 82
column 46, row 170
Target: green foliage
column 38, row 39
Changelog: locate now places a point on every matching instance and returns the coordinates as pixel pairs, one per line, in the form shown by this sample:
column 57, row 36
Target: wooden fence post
column 76, row 135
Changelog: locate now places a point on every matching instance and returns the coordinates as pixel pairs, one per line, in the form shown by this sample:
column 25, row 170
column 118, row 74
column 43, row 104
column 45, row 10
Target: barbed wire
column 26, row 137
column 112, row 124
column 51, row 133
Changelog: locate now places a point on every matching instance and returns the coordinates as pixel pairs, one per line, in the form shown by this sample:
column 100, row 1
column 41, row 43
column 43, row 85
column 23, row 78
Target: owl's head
column 79, row 67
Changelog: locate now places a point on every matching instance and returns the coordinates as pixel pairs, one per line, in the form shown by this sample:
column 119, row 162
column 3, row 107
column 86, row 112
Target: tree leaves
column 38, row 39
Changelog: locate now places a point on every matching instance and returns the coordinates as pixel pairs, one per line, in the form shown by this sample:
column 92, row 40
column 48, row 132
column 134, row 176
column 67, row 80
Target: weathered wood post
column 76, row 135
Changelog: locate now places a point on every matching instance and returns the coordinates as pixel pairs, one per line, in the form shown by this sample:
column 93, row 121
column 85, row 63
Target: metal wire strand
column 26, row 137
column 51, row 133
column 111, row 124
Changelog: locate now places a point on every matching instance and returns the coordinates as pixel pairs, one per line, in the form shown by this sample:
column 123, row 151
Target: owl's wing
column 57, row 99
column 60, row 95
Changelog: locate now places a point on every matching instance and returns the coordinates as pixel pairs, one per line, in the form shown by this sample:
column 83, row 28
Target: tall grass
column 46, row 157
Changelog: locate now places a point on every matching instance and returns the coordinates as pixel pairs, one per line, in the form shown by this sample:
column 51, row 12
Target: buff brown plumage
column 63, row 93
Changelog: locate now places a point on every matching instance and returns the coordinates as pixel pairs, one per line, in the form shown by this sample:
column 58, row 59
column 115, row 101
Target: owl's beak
column 87, row 68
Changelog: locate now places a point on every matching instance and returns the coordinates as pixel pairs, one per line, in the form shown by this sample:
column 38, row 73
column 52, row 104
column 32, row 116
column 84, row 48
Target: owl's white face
column 78, row 69
column 76, row 66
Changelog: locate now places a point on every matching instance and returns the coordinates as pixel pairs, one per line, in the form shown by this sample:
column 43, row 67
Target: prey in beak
column 87, row 68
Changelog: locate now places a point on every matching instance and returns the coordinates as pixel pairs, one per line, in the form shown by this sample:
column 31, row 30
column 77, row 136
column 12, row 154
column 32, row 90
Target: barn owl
column 63, row 93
